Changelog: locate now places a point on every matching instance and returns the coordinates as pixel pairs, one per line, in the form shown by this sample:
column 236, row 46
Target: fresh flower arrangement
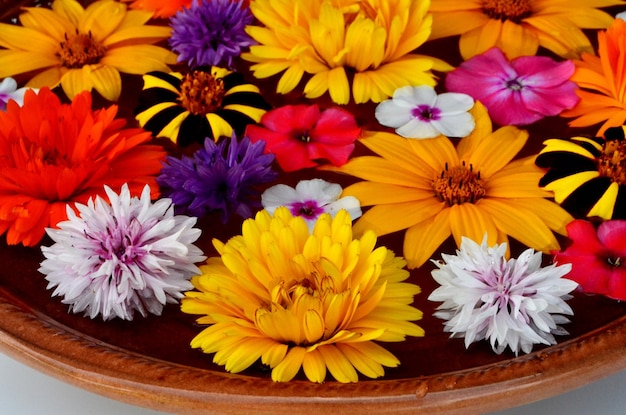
column 247, row 109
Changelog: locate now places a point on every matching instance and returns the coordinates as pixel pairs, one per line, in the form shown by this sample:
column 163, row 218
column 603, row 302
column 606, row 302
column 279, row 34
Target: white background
column 24, row 391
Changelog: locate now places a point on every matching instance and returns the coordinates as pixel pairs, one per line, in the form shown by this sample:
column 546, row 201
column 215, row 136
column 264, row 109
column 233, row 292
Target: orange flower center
column 513, row 10
column 458, row 185
column 78, row 50
column 201, row 92
column 612, row 162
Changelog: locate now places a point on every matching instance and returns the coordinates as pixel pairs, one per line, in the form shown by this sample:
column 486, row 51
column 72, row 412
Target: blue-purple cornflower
column 210, row 32
column 219, row 177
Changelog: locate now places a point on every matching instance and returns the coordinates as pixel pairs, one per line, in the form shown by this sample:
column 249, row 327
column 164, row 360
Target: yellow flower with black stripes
column 587, row 175
column 203, row 103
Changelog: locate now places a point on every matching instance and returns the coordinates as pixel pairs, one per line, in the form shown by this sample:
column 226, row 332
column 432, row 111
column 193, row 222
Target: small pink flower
column 302, row 136
column 518, row 92
column 598, row 258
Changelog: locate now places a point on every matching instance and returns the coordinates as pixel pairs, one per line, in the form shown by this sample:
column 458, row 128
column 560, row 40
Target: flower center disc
column 78, row 50
column 612, row 163
column 513, row 10
column 458, row 185
column 201, row 93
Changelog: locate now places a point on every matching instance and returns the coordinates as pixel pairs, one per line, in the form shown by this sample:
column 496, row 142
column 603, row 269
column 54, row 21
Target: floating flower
column 598, row 258
column 603, row 90
column 219, row 177
column 519, row 27
column 82, row 49
column 310, row 199
column 302, row 136
column 418, row 112
column 53, row 154
column 118, row 258
column 587, row 175
column 160, row 8
column 295, row 299
column 519, row 92
column 10, row 91
column 371, row 39
column 190, row 107
column 513, row 303
column 433, row 189
column 210, row 32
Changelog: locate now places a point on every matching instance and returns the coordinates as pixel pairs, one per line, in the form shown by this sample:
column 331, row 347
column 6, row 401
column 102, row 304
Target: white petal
column 452, row 103
column 319, row 190
column 279, row 195
column 390, row 114
column 418, row 129
column 457, row 125
column 349, row 203
column 415, row 95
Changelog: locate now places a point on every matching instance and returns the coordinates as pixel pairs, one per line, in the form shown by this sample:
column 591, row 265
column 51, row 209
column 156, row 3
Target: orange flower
column 603, row 82
column 54, row 154
column 161, row 8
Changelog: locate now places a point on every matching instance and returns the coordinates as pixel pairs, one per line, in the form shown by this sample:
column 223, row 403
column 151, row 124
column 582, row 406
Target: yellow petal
column 107, row 81
column 338, row 86
column 101, row 18
column 497, row 149
column 290, row 366
column 139, row 59
column 14, row 62
column 362, row 362
column 519, row 223
column 314, row 366
column 290, row 79
column 338, row 365
column 377, row 169
column 50, row 77
column 553, row 215
column 388, row 218
column 75, row 81
column 137, row 35
column 25, row 39
column 605, row 205
column 472, row 222
column 563, row 187
column 47, row 21
column 517, row 40
column 69, row 9
column 478, row 40
column 422, row 240
column 436, row 152
column 373, row 193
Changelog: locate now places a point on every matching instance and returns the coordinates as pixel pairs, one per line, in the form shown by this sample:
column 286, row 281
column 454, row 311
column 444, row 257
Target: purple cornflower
column 210, row 32
column 219, row 177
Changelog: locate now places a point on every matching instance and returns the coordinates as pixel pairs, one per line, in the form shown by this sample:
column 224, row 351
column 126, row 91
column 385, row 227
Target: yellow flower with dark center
column 82, row 49
column 434, row 190
column 519, row 27
column 204, row 103
column 587, row 175
column 295, row 299
column 369, row 41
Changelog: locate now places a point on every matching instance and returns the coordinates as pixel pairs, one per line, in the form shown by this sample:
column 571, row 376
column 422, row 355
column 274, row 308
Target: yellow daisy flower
column 82, row 49
column 295, row 299
column 371, row 39
column 519, row 27
column 433, row 190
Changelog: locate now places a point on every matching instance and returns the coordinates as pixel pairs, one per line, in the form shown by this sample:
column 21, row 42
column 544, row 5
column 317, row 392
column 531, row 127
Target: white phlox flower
column 515, row 303
column 9, row 90
column 418, row 112
column 112, row 259
column 310, row 199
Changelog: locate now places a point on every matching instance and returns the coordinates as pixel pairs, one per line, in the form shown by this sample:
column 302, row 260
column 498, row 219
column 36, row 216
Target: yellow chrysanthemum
column 297, row 299
column 519, row 27
column 433, row 190
column 373, row 39
column 82, row 49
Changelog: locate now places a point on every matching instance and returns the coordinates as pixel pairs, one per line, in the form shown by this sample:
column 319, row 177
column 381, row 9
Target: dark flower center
column 305, row 137
column 513, row 10
column 201, row 92
column 426, row 113
column 308, row 209
column 514, row 85
column 614, row 262
column 78, row 50
column 612, row 161
column 458, row 185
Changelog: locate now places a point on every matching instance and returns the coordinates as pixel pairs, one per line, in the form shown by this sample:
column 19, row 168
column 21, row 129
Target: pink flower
column 301, row 136
column 598, row 258
column 518, row 92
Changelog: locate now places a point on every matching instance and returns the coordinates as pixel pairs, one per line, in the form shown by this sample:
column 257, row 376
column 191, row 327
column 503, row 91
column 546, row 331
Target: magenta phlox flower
column 10, row 91
column 302, row 136
column 598, row 257
column 519, row 92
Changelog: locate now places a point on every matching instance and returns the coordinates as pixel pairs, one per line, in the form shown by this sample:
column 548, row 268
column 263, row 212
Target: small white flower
column 129, row 255
column 310, row 199
column 418, row 112
column 621, row 15
column 514, row 303
column 9, row 90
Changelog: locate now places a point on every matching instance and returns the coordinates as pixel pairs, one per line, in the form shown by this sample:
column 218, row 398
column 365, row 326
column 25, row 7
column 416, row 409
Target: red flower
column 301, row 135
column 598, row 258
column 54, row 154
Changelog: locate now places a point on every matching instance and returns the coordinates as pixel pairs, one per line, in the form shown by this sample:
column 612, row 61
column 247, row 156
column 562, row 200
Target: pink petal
column 337, row 155
column 589, row 271
column 541, row 71
column 612, row 234
column 550, row 101
column 291, row 118
column 617, row 283
column 584, row 238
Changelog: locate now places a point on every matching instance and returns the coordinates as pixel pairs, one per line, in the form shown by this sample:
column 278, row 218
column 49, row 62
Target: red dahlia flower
column 54, row 154
column 302, row 135
column 598, row 258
